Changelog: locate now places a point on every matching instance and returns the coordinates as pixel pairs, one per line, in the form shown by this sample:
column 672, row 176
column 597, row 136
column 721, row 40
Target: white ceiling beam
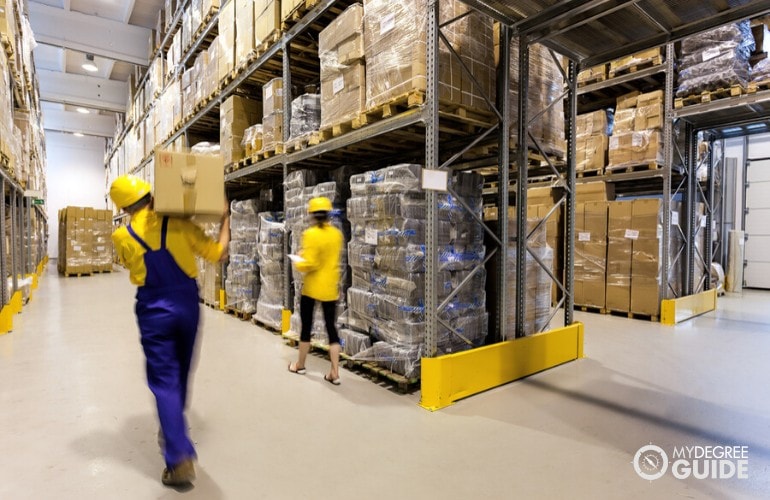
column 81, row 90
column 91, row 34
column 71, row 121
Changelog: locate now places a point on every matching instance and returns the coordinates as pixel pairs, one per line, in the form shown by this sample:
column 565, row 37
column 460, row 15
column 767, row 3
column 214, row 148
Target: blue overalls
column 167, row 312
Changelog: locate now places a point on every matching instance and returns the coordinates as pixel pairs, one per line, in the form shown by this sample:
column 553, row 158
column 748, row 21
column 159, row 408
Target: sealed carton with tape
column 189, row 184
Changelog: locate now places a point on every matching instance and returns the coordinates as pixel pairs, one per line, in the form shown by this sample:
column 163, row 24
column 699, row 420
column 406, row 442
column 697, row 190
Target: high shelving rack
column 588, row 32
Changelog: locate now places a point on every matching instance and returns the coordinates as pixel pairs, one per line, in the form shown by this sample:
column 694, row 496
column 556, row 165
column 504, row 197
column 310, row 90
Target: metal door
column 757, row 224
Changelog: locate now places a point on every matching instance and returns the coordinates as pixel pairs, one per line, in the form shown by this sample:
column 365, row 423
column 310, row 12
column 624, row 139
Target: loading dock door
column 757, row 271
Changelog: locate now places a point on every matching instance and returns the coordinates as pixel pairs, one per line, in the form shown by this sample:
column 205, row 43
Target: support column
column 504, row 167
column 521, row 188
column 569, row 230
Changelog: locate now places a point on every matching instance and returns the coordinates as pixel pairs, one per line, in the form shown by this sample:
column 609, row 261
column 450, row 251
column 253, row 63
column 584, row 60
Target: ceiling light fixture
column 89, row 65
column 83, row 111
column 78, row 134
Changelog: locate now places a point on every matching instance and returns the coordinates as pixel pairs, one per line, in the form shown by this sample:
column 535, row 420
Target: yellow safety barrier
column 673, row 311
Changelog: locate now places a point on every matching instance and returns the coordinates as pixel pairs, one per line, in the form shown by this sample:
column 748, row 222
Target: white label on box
column 370, row 238
column 710, row 53
column 614, row 142
column 338, row 85
column 703, row 222
column 279, row 92
column 100, row 249
column 77, row 248
column 584, row 236
column 388, row 23
column 674, row 218
column 268, row 92
column 632, row 234
column 637, row 140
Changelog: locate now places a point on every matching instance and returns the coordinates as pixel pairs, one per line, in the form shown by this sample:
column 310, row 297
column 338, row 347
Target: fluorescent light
column 89, row 65
column 756, row 126
column 83, row 111
column 78, row 134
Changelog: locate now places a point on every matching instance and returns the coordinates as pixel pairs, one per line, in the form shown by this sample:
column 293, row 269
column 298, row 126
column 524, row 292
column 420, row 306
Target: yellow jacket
column 184, row 241
column 321, row 249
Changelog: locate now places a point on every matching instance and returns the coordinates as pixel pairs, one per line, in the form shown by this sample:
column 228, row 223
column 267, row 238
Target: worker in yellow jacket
column 159, row 253
column 319, row 260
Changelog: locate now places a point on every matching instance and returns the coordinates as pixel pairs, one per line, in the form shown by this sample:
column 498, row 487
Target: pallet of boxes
column 85, row 242
column 637, row 142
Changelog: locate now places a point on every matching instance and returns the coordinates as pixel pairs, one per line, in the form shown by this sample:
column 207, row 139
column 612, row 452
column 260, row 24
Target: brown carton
column 267, row 21
column 627, row 100
column 187, row 184
column 649, row 116
column 287, row 6
column 591, row 254
column 245, row 43
column 592, row 123
column 591, row 152
column 650, row 98
column 619, row 255
column 272, row 97
column 226, row 40
column 343, row 94
column 236, row 115
column 342, row 42
column 594, row 191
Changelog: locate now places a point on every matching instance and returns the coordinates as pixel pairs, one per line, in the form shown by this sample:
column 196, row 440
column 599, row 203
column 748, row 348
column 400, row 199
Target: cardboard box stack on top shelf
column 394, row 46
column 592, row 141
column 236, row 115
column 636, row 136
column 226, row 39
column 267, row 22
column 343, row 70
column 245, row 44
column 637, row 60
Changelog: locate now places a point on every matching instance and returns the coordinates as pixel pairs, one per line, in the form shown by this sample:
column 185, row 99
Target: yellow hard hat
column 128, row 189
column 319, row 204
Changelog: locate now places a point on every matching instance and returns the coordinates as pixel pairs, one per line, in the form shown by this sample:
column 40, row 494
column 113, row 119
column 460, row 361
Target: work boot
column 182, row 474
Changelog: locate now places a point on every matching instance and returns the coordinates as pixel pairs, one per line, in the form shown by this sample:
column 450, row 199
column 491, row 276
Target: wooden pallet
column 710, row 95
column 590, row 173
column 755, row 87
column 297, row 13
column 595, row 78
column 262, row 324
column 637, row 66
column 268, row 42
column 592, row 309
column 277, row 149
column 242, row 315
column 206, row 19
column 75, row 275
column 210, row 304
column 618, row 169
column 393, row 107
column 633, row 315
column 372, row 370
column 299, row 143
column 102, row 270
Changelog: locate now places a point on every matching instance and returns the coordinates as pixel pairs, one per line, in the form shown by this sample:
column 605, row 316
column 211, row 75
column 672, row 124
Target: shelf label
column 338, row 85
column 435, row 180
column 388, row 23
column 584, row 236
column 632, row 234
column 370, row 238
column 637, row 140
column 674, row 218
column 711, row 53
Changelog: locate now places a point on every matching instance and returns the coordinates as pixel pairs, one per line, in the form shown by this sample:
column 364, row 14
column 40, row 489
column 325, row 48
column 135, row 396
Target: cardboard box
column 644, row 296
column 272, row 131
column 624, row 121
column 648, row 117
column 245, row 43
column 595, row 123
column 650, row 98
column 619, row 255
column 627, row 100
column 226, row 40
column 594, row 73
column 591, row 152
column 272, row 96
column 236, row 115
column 343, row 94
column 342, row 42
column 590, row 254
column 267, row 22
column 187, row 184
column 636, row 148
column 594, row 191
column 288, row 6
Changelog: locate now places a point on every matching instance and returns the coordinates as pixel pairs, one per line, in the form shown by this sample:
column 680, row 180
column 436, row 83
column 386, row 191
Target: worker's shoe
column 181, row 475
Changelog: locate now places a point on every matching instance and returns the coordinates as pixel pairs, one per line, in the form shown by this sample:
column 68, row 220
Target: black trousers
column 306, row 306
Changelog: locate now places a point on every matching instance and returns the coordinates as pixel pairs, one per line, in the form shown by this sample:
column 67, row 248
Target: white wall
column 758, row 147
column 75, row 177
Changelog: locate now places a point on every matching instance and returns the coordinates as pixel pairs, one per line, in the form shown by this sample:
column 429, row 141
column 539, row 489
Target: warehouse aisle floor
column 77, row 421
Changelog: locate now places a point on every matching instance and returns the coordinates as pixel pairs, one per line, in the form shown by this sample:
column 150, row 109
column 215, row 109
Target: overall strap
column 137, row 238
column 163, row 232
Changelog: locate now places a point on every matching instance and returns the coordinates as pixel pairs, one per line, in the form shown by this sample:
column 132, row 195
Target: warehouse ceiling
column 113, row 35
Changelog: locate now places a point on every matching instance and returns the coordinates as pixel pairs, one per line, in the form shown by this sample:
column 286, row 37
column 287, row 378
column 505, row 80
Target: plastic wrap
column 715, row 59
column 244, row 31
column 272, row 97
column 343, row 74
column 305, row 115
column 226, row 39
column 270, row 239
column 272, row 131
column 760, row 73
column 634, row 148
column 242, row 282
column 546, row 84
column 252, row 140
column 404, row 178
column 590, row 265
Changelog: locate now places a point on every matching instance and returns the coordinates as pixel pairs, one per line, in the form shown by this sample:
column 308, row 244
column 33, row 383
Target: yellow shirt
column 184, row 241
column 321, row 249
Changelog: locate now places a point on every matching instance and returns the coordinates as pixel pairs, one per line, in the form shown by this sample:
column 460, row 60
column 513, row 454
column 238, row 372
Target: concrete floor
column 77, row 421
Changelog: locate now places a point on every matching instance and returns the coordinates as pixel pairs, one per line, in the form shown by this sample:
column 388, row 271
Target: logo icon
column 650, row 462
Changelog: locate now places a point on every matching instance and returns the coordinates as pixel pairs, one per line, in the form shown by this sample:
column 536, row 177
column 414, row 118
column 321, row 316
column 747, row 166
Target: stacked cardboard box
column 244, row 30
column 636, row 136
column 288, row 6
column 592, row 74
column 627, row 63
column 267, row 21
column 271, row 269
column 76, row 240
column 619, row 256
column 394, row 46
column 226, row 40
column 343, row 71
column 645, row 265
column 236, row 115
column 102, row 238
column 272, row 122
column 592, row 138
column 590, row 254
